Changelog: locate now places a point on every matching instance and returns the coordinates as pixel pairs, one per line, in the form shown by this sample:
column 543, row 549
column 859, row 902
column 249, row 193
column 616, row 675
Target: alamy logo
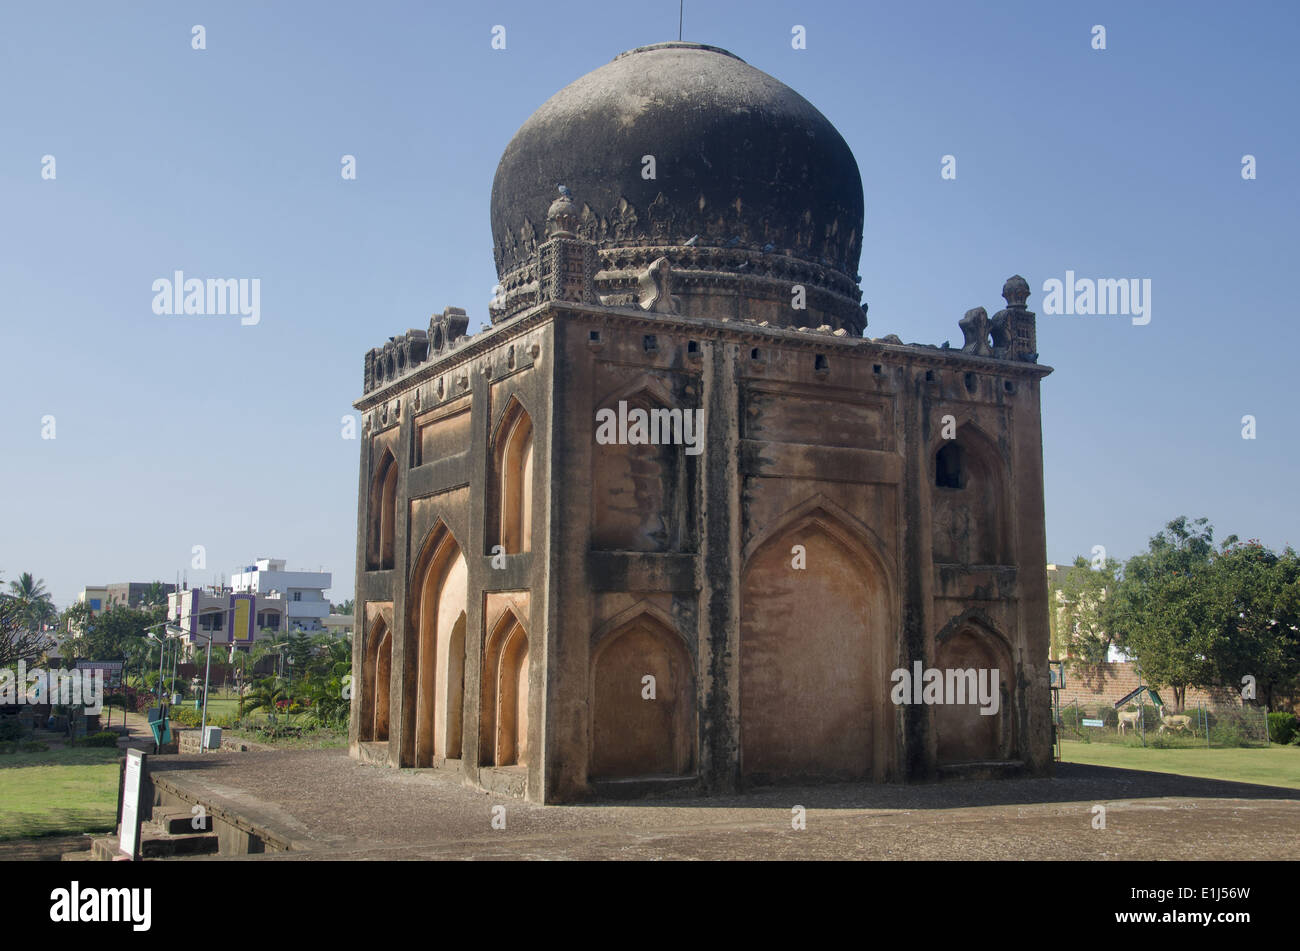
column 655, row 427
column 66, row 687
column 1104, row 297
column 214, row 297
column 953, row 685
column 75, row 904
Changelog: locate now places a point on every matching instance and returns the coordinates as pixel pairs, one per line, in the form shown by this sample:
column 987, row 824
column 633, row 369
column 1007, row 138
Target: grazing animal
column 1179, row 722
column 1128, row 718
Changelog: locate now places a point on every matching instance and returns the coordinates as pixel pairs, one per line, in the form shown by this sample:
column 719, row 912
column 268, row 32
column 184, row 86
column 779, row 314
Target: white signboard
column 1087, row 722
column 129, row 832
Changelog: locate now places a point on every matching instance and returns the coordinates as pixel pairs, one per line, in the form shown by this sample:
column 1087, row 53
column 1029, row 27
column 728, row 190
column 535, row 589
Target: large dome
column 740, row 161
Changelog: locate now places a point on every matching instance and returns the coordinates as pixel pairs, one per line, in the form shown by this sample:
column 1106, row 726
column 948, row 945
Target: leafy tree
column 327, row 677
column 74, row 619
column 1257, row 596
column 117, row 633
column 300, row 652
column 154, row 596
column 347, row 607
column 1081, row 609
column 1163, row 610
column 271, row 642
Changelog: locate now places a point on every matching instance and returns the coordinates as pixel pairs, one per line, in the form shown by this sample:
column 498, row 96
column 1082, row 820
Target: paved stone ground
column 338, row 808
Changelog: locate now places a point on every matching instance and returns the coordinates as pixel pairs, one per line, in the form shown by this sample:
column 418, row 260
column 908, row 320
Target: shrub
column 1226, row 734
column 1282, row 727
column 186, row 716
column 10, row 729
column 104, row 738
column 127, row 699
column 32, row 747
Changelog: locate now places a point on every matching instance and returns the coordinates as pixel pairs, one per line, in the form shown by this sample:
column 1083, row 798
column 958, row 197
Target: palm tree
column 275, row 642
column 37, row 607
column 266, row 695
column 155, row 594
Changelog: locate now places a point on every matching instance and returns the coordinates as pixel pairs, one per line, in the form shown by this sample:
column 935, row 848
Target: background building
column 95, row 598
column 303, row 591
column 232, row 620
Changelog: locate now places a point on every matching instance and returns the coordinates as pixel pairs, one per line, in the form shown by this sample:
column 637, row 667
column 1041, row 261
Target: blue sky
column 224, row 162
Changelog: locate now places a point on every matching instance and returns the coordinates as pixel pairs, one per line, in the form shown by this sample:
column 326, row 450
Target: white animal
column 1179, row 722
column 1128, row 718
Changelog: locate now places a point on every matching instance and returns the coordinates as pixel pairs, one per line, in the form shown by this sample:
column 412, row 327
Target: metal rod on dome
column 680, row 13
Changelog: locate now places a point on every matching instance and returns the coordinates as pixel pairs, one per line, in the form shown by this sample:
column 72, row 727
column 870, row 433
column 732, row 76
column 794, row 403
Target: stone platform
column 319, row 804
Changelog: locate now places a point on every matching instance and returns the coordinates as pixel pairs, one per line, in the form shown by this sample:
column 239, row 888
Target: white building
column 303, row 591
column 231, row 620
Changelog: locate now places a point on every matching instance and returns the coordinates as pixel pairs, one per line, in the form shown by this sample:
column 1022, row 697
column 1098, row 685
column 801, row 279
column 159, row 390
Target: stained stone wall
column 523, row 666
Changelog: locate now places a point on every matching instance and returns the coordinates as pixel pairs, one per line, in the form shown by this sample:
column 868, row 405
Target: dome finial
column 562, row 216
column 1015, row 291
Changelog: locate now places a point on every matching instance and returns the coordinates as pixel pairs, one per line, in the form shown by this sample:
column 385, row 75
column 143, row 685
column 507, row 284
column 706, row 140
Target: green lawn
column 60, row 792
column 1274, row 766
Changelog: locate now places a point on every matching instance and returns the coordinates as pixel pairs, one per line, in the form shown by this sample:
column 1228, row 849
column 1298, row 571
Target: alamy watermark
column 1104, row 297
column 654, row 427
column 83, row 688
column 217, row 296
column 953, row 685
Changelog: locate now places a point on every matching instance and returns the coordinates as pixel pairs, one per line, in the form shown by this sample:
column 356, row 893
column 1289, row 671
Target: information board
column 129, row 830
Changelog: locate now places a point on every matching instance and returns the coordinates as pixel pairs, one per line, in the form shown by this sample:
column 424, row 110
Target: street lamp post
column 207, row 675
column 175, row 651
column 162, row 650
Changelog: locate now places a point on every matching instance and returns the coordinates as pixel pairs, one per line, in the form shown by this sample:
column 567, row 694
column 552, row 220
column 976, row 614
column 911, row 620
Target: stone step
column 178, row 820
column 104, row 849
column 156, row 846
column 153, row 845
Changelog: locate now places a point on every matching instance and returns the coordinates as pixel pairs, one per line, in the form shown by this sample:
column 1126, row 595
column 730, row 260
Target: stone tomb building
column 552, row 612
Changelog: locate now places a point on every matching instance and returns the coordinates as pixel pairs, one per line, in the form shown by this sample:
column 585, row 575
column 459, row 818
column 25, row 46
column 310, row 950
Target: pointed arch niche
column 962, row 733
column 503, row 728
column 381, row 527
column 633, row 733
column 511, row 511
column 436, row 626
column 969, row 504
column 643, row 496
column 814, row 648
column 376, row 679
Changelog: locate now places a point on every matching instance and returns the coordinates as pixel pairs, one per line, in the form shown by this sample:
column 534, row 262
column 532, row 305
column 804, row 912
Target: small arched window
column 380, row 549
column 948, row 470
column 514, row 480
